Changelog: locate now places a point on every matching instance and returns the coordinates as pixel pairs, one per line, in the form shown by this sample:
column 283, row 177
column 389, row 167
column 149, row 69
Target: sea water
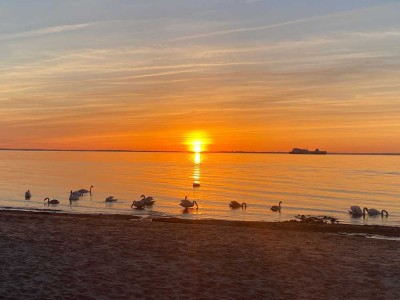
column 315, row 185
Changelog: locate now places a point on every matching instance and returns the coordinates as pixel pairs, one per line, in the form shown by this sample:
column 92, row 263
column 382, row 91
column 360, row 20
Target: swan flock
column 144, row 201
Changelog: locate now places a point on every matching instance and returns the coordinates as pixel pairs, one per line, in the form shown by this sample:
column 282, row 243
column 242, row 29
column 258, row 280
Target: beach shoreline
column 53, row 255
column 292, row 225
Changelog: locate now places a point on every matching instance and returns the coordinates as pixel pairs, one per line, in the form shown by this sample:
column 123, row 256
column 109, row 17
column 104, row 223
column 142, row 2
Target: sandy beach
column 50, row 256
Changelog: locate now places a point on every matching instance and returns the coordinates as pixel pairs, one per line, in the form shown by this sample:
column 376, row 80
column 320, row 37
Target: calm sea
column 306, row 184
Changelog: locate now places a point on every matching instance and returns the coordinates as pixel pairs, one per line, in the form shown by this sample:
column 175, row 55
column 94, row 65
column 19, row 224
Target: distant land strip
column 185, row 151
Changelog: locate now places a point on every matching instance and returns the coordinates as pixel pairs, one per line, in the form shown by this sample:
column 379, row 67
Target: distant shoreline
column 176, row 151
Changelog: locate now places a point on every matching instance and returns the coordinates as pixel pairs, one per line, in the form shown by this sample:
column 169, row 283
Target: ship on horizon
column 306, row 151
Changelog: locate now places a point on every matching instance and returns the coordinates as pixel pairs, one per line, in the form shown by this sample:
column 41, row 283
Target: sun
column 197, row 141
column 197, row 146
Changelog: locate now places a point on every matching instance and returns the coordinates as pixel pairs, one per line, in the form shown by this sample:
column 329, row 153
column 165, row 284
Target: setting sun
column 197, row 146
column 197, row 141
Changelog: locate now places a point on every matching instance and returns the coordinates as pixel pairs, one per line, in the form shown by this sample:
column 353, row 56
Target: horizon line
column 186, row 151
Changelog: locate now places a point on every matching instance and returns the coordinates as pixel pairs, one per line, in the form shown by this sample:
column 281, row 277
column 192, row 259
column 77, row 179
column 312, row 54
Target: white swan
column 277, row 207
column 138, row 204
column 84, row 191
column 73, row 196
column 187, row 203
column 54, row 201
column 235, row 204
column 77, row 193
column 375, row 212
column 28, row 194
column 356, row 211
column 147, row 200
column 111, row 199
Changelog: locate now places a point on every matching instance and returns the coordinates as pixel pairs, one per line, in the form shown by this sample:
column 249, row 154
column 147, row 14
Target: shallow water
column 372, row 236
column 306, row 184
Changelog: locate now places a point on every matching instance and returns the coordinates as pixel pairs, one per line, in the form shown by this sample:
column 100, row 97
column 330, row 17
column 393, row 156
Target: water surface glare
column 306, row 184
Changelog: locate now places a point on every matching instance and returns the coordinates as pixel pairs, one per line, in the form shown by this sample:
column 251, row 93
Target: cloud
column 392, row 33
column 337, row 71
column 255, row 28
column 44, row 31
column 333, row 17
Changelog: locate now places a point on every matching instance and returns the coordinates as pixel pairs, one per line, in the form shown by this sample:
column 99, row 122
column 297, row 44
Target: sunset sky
column 247, row 75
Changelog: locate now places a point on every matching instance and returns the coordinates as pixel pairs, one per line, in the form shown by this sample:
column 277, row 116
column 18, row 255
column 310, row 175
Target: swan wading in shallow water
column 235, row 204
column 77, row 193
column 277, row 207
column 147, row 200
column 375, row 212
column 28, row 194
column 188, row 204
column 73, row 196
column 138, row 204
column 356, row 211
column 54, row 201
column 84, row 191
column 111, row 199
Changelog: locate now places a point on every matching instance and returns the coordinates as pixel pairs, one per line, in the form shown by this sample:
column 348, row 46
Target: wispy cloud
column 249, row 29
column 317, row 69
column 44, row 31
column 344, row 14
column 378, row 34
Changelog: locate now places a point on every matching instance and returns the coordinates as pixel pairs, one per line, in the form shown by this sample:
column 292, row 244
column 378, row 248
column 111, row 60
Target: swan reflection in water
column 188, row 211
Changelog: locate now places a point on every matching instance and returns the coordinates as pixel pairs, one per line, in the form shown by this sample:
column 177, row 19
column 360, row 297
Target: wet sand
column 49, row 256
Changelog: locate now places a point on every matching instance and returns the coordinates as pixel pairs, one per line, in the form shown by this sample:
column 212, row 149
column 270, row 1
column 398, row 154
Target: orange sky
column 249, row 75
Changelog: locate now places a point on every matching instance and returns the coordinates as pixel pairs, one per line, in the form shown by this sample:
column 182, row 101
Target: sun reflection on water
column 197, row 158
column 196, row 167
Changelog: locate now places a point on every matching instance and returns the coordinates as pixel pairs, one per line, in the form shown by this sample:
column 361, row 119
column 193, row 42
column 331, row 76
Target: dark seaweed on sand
column 315, row 219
